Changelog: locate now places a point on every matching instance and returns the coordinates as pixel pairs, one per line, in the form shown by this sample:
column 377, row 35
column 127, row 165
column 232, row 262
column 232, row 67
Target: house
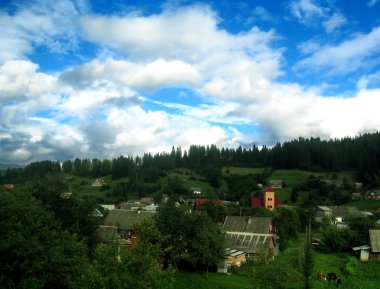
column 196, row 191
column 126, row 221
column 108, row 207
column 358, row 185
column 252, row 235
column 199, row 202
column 374, row 239
column 356, row 196
column 275, row 184
column 372, row 195
column 8, row 186
column 267, row 200
column 146, row 201
column 340, row 214
column 98, row 183
column 321, row 212
column 66, row 195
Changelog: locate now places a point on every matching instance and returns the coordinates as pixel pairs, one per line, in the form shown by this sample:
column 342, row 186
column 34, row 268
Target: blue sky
column 88, row 79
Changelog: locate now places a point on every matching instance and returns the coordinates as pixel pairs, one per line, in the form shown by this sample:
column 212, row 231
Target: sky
column 97, row 79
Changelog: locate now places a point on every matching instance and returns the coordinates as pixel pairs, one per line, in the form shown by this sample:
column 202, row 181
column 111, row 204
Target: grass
column 241, row 170
column 284, row 272
column 200, row 280
column 368, row 205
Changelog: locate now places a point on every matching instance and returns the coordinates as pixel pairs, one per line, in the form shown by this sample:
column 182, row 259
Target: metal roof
column 248, row 242
column 126, row 219
column 260, row 225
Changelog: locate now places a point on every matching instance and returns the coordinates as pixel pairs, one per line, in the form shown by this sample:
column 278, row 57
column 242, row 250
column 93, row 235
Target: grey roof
column 248, row 234
column 258, row 225
column 248, row 242
column 323, row 208
column 374, row 238
column 344, row 211
column 125, row 219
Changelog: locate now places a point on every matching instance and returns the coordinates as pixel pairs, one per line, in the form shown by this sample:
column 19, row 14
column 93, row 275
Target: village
column 250, row 238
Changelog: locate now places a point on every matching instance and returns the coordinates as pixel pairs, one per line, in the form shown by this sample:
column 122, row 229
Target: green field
column 370, row 205
column 285, row 272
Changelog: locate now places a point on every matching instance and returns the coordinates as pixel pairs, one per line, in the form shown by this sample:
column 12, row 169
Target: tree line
column 361, row 153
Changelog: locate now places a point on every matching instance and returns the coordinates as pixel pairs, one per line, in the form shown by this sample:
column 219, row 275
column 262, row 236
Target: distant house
column 196, row 191
column 356, row 196
column 275, row 184
column 8, row 186
column 358, row 185
column 321, row 212
column 146, row 201
column 126, row 221
column 252, row 235
column 98, row 183
column 374, row 239
column 372, row 195
column 199, row 202
column 66, row 195
column 108, row 207
column 267, row 200
column 340, row 214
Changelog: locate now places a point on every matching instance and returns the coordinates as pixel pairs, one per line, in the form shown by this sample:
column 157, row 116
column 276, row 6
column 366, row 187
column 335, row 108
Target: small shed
column 362, row 252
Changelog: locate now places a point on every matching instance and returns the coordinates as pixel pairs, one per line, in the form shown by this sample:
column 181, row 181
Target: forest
column 360, row 154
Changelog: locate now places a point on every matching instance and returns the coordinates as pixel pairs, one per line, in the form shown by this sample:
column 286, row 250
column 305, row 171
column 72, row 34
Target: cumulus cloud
column 20, row 79
column 347, row 56
column 39, row 23
column 334, row 22
column 102, row 107
column 306, row 11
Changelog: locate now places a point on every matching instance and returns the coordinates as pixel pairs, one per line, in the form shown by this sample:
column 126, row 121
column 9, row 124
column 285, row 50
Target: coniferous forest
column 360, row 154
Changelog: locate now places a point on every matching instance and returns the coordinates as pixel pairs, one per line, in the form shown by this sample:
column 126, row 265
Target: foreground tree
column 287, row 223
column 34, row 251
column 307, row 259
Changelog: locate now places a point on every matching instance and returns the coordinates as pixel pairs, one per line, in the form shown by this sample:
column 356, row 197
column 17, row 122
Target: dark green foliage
column 72, row 213
column 360, row 225
column 192, row 238
column 34, row 251
column 307, row 259
column 287, row 223
column 337, row 239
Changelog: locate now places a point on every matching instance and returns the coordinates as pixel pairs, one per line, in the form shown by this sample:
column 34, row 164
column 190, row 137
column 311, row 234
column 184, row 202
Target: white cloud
column 347, row 56
column 306, row 10
column 20, row 79
column 150, row 76
column 371, row 3
column 334, row 22
column 52, row 24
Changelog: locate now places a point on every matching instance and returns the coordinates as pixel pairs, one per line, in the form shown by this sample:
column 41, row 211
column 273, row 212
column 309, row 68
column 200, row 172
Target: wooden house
column 255, row 236
column 356, row 196
column 8, row 186
column 322, row 212
column 98, row 183
column 126, row 221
